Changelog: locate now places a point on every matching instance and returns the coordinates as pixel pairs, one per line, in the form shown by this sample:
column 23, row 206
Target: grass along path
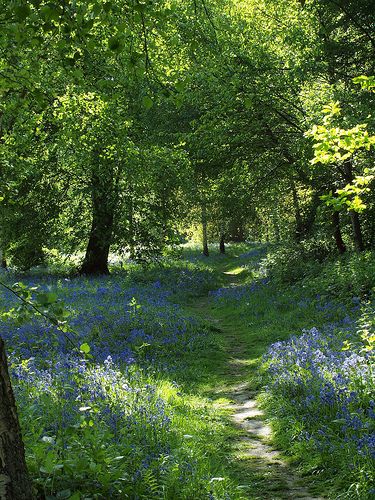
column 172, row 391
column 263, row 473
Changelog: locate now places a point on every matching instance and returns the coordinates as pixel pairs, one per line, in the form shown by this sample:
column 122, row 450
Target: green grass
column 235, row 332
column 245, row 329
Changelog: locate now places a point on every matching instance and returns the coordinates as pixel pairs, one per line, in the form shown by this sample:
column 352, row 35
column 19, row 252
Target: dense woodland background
column 130, row 130
column 124, row 123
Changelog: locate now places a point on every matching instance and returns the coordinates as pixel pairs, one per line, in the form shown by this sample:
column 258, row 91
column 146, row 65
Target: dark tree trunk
column 204, row 231
column 97, row 251
column 357, row 231
column 354, row 217
column 222, row 244
column 337, row 233
column 15, row 483
column 104, row 196
column 297, row 214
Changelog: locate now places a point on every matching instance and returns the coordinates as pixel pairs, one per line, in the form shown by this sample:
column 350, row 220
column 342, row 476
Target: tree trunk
column 97, row 251
column 354, row 217
column 337, row 233
column 15, row 483
column 103, row 206
column 204, row 231
column 297, row 214
column 357, row 231
column 3, row 260
column 222, row 244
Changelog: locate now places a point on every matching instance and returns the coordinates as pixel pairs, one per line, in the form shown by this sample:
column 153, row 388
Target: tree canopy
column 125, row 122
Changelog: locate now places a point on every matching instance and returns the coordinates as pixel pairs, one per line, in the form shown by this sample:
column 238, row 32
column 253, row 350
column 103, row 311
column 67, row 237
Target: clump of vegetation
column 119, row 420
column 351, row 275
column 320, row 398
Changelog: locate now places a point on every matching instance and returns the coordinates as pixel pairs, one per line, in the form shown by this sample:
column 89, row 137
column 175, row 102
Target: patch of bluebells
column 254, row 253
column 68, row 394
column 237, row 293
column 324, row 379
column 102, row 315
column 105, row 402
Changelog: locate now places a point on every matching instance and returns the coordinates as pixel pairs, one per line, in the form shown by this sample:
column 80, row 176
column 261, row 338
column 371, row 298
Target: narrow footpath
column 262, row 470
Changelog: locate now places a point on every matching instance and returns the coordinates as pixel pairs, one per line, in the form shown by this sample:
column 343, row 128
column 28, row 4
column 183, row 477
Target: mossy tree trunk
column 15, row 483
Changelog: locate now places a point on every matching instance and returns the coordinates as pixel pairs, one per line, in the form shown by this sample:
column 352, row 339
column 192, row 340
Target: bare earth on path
column 254, row 446
column 266, row 474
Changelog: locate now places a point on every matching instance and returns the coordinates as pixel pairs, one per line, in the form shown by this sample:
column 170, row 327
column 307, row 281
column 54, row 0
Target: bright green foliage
column 334, row 145
column 127, row 126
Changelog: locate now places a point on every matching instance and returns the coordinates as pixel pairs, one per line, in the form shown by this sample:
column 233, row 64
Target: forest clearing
column 187, row 263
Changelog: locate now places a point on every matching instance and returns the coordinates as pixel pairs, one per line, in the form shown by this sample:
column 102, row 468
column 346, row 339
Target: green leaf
column 180, row 87
column 47, row 298
column 147, row 102
column 75, row 496
column 85, row 348
column 247, row 102
column 22, row 11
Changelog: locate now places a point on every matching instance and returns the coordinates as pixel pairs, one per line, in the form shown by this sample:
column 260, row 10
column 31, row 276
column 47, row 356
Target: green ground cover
column 146, row 417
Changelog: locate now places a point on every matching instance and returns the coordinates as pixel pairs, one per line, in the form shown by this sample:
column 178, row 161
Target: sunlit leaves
column 351, row 196
column 366, row 82
column 85, row 348
column 334, row 145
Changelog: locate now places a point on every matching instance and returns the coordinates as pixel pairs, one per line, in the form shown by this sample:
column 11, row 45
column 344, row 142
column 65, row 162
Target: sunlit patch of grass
column 235, row 271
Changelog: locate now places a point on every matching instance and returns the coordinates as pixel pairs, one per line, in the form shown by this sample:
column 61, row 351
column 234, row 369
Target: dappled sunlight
column 235, row 271
column 240, row 362
column 129, row 403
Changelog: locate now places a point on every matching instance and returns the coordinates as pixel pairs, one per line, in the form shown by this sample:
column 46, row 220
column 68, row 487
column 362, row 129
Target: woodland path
column 263, row 471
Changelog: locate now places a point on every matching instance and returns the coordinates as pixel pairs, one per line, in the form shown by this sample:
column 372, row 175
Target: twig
column 50, row 319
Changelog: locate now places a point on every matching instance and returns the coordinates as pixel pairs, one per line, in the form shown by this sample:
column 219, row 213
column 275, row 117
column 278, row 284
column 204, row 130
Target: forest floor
column 262, row 471
column 177, row 351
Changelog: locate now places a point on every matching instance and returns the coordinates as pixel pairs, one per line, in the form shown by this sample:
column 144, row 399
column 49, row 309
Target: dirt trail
column 276, row 478
column 256, row 448
column 261, row 463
